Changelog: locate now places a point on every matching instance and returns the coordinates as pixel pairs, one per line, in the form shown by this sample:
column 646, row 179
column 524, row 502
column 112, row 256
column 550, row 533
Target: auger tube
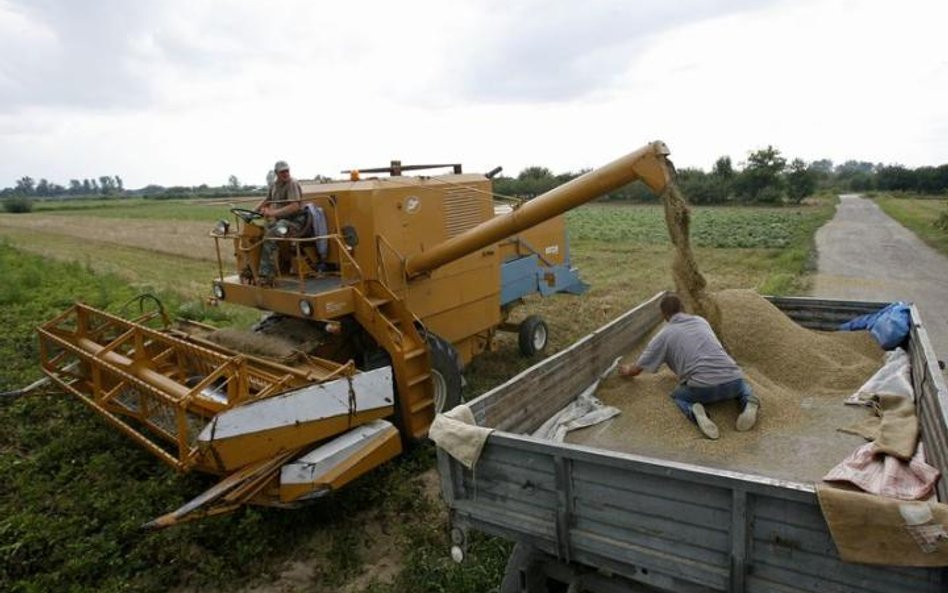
column 647, row 163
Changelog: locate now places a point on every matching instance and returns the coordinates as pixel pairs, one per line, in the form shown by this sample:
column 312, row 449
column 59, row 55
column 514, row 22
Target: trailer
column 589, row 519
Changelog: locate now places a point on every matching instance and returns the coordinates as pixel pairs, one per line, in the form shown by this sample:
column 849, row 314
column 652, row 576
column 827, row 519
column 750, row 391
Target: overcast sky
column 190, row 92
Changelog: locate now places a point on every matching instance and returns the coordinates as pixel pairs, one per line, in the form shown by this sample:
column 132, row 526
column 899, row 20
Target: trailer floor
column 801, row 450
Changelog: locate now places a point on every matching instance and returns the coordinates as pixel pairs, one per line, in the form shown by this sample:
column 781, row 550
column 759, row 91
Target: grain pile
column 801, row 377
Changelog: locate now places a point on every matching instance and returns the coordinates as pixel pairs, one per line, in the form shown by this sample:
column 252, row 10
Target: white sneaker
column 705, row 424
column 747, row 418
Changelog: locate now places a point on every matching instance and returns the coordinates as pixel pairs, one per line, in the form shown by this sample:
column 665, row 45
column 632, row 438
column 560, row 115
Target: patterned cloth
column 886, row 475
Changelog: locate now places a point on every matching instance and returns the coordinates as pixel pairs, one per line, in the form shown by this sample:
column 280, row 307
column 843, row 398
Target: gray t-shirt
column 282, row 192
column 688, row 346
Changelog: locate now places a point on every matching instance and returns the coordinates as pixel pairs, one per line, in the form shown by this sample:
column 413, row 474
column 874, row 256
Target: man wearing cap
column 284, row 201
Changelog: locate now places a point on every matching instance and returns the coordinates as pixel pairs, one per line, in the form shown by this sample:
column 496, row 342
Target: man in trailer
column 706, row 373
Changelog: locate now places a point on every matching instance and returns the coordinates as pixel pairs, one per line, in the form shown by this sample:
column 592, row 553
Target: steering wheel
column 246, row 215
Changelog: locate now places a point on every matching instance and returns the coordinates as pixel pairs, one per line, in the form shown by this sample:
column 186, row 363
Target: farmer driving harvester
column 283, row 202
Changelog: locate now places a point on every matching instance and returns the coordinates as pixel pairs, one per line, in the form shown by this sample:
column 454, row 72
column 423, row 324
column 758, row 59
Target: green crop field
column 767, row 228
column 140, row 208
column 76, row 492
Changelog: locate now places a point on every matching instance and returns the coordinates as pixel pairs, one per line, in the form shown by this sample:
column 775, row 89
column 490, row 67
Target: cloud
column 114, row 54
column 61, row 53
column 183, row 92
column 537, row 51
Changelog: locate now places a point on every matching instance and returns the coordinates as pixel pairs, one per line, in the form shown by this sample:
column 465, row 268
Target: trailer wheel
column 445, row 373
column 533, row 335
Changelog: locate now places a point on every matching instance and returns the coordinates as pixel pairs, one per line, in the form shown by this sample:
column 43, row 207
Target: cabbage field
column 763, row 228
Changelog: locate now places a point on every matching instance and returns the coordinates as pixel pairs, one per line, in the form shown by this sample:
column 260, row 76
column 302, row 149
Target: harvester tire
column 445, row 373
column 533, row 335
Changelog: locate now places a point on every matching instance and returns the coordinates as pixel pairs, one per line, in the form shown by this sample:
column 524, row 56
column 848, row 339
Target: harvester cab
column 347, row 276
column 393, row 284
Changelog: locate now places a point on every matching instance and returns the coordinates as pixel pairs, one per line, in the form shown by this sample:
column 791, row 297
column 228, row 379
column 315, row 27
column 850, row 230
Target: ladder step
column 421, row 405
column 419, row 379
column 377, row 302
column 415, row 353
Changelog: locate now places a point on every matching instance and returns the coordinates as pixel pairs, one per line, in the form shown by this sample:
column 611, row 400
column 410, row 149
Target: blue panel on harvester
column 564, row 280
column 525, row 276
column 518, row 278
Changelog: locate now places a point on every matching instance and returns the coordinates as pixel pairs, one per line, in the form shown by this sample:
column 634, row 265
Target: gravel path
column 865, row 255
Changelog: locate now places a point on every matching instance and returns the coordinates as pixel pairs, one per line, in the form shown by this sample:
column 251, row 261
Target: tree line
column 27, row 186
column 19, row 198
column 766, row 177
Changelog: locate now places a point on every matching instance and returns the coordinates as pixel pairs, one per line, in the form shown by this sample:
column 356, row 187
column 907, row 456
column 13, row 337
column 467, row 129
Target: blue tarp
column 889, row 326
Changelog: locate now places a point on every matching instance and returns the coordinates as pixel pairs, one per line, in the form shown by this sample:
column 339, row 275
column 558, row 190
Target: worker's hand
column 629, row 370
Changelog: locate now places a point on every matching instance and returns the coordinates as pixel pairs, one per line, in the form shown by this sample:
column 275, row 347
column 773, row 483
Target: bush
column 17, row 204
column 942, row 221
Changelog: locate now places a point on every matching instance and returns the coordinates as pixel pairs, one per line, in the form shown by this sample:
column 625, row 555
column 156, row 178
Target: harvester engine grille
column 462, row 210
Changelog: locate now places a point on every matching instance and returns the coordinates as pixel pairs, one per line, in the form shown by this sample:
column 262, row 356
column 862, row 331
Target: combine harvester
column 397, row 283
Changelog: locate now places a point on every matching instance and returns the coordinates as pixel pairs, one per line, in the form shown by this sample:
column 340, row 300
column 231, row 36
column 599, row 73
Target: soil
column 379, row 551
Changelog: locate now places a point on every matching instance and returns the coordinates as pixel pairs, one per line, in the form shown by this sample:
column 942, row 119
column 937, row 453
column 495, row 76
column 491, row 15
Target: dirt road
column 865, row 255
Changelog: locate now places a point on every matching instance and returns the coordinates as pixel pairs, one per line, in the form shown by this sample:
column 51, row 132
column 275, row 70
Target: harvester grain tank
column 396, row 283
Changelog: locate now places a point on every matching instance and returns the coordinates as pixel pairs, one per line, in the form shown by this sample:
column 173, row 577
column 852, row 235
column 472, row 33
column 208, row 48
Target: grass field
column 919, row 216
column 75, row 492
column 142, row 209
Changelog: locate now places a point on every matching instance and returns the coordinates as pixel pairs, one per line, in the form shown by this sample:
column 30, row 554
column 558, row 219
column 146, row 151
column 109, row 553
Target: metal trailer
column 587, row 519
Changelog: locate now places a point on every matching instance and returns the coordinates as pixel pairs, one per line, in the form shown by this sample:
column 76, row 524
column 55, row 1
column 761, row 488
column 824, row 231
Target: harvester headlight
column 306, row 308
column 218, row 291
column 282, row 228
column 221, row 227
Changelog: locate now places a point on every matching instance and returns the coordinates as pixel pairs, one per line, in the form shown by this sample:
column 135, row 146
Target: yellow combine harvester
column 397, row 282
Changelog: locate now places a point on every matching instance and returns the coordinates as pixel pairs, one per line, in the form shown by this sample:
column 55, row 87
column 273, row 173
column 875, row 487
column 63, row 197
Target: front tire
column 445, row 373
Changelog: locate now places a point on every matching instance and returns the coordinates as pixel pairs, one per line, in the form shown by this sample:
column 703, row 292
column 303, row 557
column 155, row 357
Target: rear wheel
column 445, row 373
column 533, row 335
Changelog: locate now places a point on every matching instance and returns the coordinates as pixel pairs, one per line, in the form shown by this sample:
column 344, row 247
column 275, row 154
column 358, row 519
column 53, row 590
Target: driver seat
column 315, row 254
